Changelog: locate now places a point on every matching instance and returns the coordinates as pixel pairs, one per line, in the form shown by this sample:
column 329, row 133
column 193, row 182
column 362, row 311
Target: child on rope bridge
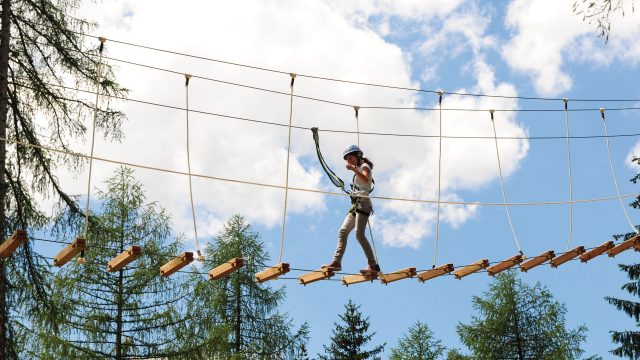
column 360, row 210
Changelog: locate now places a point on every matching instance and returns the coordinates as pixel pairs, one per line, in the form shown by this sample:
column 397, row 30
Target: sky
column 535, row 48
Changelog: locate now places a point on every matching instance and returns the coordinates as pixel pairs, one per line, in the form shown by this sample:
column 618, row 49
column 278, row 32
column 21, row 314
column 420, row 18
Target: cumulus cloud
column 303, row 37
column 546, row 35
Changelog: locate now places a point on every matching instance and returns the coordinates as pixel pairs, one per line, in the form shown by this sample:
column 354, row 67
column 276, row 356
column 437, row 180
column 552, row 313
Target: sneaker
column 334, row 265
column 371, row 269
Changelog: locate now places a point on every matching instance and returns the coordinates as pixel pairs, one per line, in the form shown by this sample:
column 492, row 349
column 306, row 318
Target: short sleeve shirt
column 361, row 186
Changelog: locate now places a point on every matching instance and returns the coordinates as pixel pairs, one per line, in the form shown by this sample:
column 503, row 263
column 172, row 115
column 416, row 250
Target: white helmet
column 351, row 149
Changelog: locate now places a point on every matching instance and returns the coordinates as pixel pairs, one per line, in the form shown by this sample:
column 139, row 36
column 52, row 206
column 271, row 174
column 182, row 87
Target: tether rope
column 435, row 249
column 93, row 136
column 613, row 174
column 286, row 186
column 187, row 77
column 566, row 114
column 504, row 194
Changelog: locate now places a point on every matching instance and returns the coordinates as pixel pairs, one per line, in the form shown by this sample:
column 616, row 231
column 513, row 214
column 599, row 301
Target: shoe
column 371, row 269
column 334, row 265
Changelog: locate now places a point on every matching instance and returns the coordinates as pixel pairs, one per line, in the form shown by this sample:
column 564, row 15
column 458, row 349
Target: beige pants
column 359, row 222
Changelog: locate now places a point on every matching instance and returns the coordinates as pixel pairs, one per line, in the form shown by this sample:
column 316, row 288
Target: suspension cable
column 566, row 114
column 200, row 257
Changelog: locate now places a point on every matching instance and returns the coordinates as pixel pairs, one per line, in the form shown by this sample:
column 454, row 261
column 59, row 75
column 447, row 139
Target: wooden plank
column 316, row 275
column 70, row 251
column 124, row 258
column 356, row 279
column 507, row 264
column 538, row 260
column 597, row 251
column 12, row 243
column 435, row 272
column 470, row 269
column 272, row 272
column 176, row 264
column 398, row 275
column 225, row 269
column 567, row 256
column 626, row 245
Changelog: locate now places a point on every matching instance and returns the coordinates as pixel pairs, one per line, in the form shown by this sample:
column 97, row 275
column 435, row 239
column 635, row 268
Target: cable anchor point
column 102, row 41
column 356, row 108
column 293, row 78
column 566, row 103
column 200, row 257
column 602, row 112
column 187, row 77
column 491, row 112
column 440, row 94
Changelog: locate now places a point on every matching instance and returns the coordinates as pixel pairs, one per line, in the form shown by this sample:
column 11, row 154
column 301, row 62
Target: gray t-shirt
column 361, row 187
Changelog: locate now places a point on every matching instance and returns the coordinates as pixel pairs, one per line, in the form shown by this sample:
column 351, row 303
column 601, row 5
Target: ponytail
column 366, row 160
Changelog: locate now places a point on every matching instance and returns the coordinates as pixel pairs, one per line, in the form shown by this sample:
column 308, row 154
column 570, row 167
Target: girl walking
column 360, row 210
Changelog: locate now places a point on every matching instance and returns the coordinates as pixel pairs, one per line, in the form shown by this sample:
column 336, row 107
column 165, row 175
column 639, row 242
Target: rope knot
column 491, row 112
column 440, row 93
column 566, row 103
column 187, row 77
column 102, row 41
column 356, row 108
column 602, row 112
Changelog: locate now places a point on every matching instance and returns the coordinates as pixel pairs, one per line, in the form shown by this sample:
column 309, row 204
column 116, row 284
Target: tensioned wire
column 347, row 81
column 435, row 248
column 286, row 186
column 569, row 166
column 263, row 122
column 274, row 186
column 187, row 77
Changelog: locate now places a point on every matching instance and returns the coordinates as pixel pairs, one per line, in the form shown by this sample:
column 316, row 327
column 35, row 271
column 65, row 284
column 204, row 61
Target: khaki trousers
column 359, row 222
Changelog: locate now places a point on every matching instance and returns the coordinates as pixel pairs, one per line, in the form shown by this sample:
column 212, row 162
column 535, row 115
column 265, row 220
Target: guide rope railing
column 274, row 186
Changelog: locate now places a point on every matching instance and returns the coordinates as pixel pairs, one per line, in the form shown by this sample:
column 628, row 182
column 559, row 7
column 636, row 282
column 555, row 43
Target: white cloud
column 305, row 37
column 547, row 35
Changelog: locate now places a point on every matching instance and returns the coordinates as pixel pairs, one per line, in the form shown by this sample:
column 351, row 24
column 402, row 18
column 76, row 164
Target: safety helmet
column 351, row 149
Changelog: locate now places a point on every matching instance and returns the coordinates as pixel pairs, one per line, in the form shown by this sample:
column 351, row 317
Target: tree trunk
column 5, row 36
column 238, row 320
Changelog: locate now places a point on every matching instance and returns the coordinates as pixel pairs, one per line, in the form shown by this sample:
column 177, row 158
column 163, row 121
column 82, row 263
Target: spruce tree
column 247, row 310
column 133, row 312
column 628, row 341
column 419, row 344
column 350, row 338
column 40, row 49
column 518, row 321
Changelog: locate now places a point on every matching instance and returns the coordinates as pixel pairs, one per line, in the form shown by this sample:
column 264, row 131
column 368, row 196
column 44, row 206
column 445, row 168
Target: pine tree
column 419, row 344
column 246, row 309
column 518, row 321
column 40, row 49
column 629, row 340
column 133, row 312
column 350, row 338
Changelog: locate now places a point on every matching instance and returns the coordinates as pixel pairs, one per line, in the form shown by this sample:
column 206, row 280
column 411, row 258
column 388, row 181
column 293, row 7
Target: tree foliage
column 350, row 338
column 246, row 311
column 129, row 313
column 518, row 321
column 419, row 344
column 600, row 12
column 41, row 52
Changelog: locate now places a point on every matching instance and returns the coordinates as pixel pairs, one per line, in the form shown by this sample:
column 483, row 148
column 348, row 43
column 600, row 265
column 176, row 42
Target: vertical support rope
column 504, row 194
column 286, row 186
column 566, row 117
column 93, row 135
column 613, row 173
column 435, row 250
column 356, row 108
column 187, row 77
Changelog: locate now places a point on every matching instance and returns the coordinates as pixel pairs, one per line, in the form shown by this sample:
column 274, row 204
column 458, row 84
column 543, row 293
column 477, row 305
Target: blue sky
column 524, row 48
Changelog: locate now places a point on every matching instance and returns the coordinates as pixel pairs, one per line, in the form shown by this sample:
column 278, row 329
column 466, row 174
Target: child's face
column 352, row 159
